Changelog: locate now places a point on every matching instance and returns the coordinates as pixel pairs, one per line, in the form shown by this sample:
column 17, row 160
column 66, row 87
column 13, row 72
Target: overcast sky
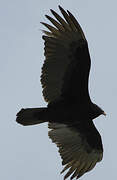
column 26, row 153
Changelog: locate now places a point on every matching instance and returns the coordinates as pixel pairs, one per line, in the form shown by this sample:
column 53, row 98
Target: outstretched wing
column 80, row 147
column 67, row 62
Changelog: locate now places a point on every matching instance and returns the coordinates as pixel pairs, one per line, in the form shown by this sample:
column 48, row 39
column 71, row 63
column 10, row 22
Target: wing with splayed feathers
column 78, row 153
column 67, row 62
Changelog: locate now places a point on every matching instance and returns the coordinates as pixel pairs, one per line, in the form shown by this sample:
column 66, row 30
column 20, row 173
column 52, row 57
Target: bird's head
column 98, row 111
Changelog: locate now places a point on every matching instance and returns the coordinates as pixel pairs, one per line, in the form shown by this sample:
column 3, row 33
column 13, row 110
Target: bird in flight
column 70, row 111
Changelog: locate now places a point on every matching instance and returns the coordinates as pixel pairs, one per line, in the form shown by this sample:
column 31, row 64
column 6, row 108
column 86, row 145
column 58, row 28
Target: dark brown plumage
column 70, row 110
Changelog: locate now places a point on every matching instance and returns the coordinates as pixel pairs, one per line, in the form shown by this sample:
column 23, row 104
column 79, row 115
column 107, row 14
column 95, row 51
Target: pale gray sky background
column 26, row 153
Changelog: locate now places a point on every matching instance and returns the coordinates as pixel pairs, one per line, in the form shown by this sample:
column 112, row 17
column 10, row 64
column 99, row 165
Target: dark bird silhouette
column 70, row 111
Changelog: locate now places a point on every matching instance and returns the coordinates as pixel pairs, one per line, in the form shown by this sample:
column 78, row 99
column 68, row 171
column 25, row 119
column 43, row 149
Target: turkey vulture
column 70, row 111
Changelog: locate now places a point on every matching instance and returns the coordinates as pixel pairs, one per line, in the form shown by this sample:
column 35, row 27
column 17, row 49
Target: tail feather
column 32, row 116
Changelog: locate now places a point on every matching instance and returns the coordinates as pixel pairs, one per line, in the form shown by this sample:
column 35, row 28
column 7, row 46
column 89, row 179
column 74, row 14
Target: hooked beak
column 104, row 113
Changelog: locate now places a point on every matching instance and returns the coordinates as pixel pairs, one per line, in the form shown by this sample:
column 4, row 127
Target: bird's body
column 70, row 111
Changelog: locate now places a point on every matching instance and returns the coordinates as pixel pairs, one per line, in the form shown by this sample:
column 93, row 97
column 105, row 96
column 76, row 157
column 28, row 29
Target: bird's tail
column 32, row 116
